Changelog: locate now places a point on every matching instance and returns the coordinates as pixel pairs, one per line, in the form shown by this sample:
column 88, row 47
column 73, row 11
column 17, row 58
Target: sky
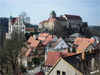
column 39, row 10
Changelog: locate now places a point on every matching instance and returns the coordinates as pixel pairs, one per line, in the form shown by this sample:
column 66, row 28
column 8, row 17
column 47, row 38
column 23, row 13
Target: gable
column 40, row 46
column 62, row 65
column 31, row 53
column 60, row 45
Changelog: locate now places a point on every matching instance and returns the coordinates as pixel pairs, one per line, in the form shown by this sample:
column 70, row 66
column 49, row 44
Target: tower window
column 16, row 23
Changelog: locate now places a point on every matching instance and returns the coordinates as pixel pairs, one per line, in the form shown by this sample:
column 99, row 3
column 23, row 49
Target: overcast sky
column 39, row 10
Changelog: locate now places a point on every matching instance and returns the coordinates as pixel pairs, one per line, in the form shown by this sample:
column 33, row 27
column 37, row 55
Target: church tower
column 53, row 14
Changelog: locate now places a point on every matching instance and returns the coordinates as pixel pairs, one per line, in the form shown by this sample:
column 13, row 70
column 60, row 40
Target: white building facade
column 16, row 24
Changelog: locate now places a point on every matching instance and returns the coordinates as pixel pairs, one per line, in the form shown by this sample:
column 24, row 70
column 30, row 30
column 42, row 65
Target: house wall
column 61, row 45
column 18, row 25
column 24, row 62
column 49, row 25
column 63, row 66
column 40, row 48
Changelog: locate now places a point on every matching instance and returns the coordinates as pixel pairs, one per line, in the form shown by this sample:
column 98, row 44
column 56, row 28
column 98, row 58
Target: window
column 63, row 73
column 58, row 72
column 16, row 23
column 23, row 27
column 62, row 43
column 41, row 47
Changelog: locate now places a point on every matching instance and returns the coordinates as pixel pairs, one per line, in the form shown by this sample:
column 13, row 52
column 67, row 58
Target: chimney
column 83, row 55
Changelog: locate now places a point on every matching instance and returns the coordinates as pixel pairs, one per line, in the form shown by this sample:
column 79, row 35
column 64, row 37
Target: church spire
column 52, row 14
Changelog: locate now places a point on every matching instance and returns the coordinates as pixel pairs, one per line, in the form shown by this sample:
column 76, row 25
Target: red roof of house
column 53, row 56
column 83, row 43
column 53, row 19
column 14, row 20
column 34, row 43
column 49, row 20
column 31, row 39
column 28, row 52
column 23, row 51
column 78, row 40
column 73, row 17
column 43, row 36
column 29, row 29
column 48, row 39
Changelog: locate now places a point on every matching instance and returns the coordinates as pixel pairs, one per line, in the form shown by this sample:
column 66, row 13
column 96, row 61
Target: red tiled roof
column 43, row 36
column 48, row 39
column 72, row 16
column 78, row 40
column 49, row 20
column 34, row 43
column 29, row 29
column 28, row 52
column 53, row 56
column 83, row 43
column 14, row 20
column 31, row 39
column 53, row 19
column 23, row 51
column 43, row 22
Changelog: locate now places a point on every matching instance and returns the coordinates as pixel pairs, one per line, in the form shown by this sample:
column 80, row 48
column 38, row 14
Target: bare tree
column 11, row 50
column 24, row 17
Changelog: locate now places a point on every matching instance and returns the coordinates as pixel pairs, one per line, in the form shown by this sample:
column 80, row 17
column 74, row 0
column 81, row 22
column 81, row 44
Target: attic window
column 62, row 44
column 58, row 72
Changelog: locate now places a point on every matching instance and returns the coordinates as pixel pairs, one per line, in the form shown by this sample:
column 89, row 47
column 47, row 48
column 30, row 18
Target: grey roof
column 76, row 35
